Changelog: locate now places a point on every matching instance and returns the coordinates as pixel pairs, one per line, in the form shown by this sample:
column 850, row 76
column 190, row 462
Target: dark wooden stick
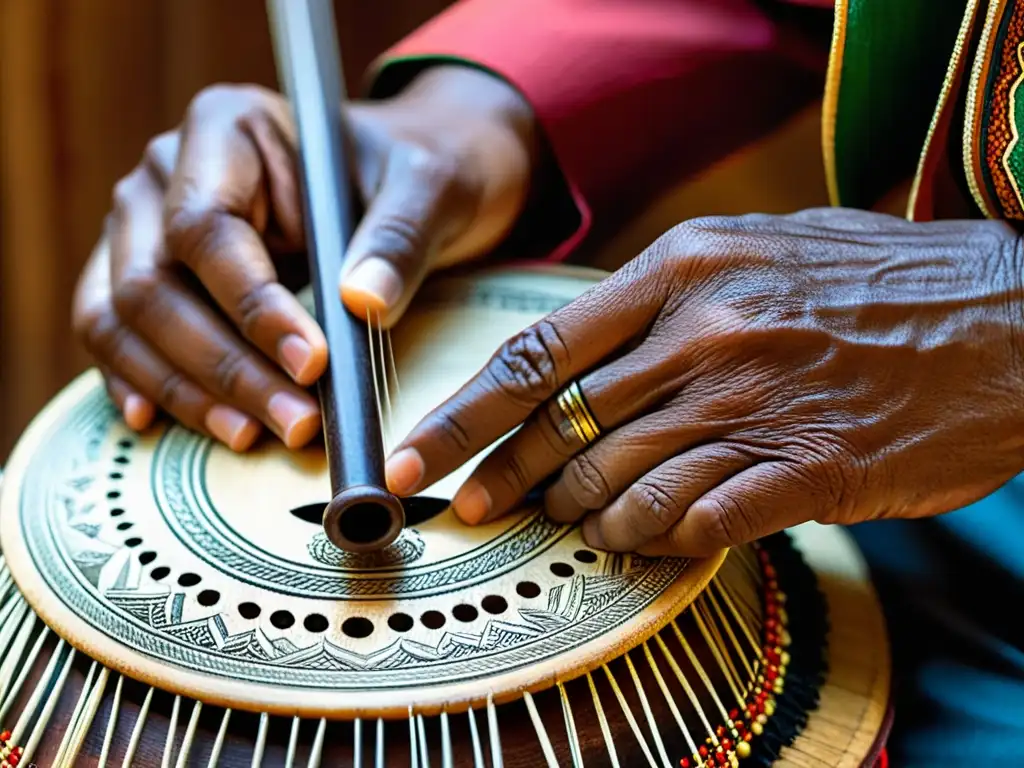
column 362, row 515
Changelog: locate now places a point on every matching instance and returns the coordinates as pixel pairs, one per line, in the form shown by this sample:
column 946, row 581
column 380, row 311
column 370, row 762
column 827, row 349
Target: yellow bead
column 762, row 719
column 743, row 749
column 756, row 728
column 780, row 596
column 785, row 658
column 786, row 639
column 778, row 687
column 760, row 679
column 769, row 707
column 733, row 762
column 783, row 618
column 782, row 670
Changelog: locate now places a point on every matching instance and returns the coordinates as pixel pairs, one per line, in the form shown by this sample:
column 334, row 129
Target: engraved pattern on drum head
column 147, row 540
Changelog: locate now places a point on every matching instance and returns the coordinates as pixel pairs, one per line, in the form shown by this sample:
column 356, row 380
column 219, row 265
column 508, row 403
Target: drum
column 164, row 601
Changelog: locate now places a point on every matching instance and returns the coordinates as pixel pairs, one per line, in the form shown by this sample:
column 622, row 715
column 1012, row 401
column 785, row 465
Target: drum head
column 206, row 573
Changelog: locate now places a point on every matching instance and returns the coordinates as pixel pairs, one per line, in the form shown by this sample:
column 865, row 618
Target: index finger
column 521, row 375
column 234, row 172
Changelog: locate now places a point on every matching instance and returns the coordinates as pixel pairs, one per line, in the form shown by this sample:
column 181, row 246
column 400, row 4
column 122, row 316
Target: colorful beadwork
column 998, row 134
column 10, row 754
column 732, row 740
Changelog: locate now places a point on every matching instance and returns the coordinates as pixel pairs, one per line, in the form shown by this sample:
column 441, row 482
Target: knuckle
column 658, row 506
column 216, row 96
column 835, row 475
column 516, row 473
column 398, row 238
column 107, row 338
column 730, row 521
column 173, row 392
column 255, row 305
column 160, row 149
column 193, row 232
column 434, row 168
column 135, row 292
column 452, row 432
column 238, row 101
column 527, row 367
column 587, row 484
column 95, row 328
column 124, row 193
column 230, row 371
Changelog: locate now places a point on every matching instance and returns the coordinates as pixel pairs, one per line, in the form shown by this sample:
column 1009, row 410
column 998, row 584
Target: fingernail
column 472, row 503
column 296, row 419
column 295, row 355
column 592, row 533
column 376, row 282
column 404, row 471
column 138, row 412
column 234, row 429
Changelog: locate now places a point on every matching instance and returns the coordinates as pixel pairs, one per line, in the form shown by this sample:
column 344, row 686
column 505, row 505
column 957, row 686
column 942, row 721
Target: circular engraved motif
column 177, row 561
column 407, row 548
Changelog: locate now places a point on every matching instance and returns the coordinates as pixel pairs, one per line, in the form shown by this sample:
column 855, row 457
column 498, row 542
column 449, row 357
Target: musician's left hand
column 749, row 374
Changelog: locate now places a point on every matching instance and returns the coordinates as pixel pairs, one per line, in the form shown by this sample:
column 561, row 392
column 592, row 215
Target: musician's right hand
column 182, row 302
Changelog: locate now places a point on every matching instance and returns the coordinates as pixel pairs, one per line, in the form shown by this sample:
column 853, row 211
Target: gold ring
column 577, row 415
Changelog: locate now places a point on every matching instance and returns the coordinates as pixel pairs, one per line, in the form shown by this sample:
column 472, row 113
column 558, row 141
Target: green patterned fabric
column 893, row 65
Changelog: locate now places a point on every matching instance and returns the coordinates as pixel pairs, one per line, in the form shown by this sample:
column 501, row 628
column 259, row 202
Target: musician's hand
column 184, row 303
column 753, row 373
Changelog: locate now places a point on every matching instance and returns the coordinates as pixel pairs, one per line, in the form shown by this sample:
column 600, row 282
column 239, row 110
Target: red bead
column 5, row 736
column 702, row 751
column 769, row 571
column 771, row 609
column 726, row 744
column 762, row 556
column 13, row 759
column 773, row 585
column 734, row 713
column 720, row 731
column 684, row 763
column 748, row 736
column 720, row 757
column 18, row 751
column 770, row 638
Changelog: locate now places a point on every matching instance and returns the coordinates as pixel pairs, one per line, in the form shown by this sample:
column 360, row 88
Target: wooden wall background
column 83, row 85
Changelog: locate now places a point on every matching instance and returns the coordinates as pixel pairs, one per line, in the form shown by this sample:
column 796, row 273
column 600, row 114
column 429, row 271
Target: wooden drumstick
column 362, row 515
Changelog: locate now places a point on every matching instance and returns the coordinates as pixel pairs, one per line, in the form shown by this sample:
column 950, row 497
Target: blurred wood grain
column 83, row 85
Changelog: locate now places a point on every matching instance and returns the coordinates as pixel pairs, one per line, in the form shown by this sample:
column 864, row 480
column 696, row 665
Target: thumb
column 413, row 216
column 757, row 502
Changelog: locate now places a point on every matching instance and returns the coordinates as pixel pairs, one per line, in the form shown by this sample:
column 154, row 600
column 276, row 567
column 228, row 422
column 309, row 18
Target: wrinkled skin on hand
column 753, row 373
column 184, row 303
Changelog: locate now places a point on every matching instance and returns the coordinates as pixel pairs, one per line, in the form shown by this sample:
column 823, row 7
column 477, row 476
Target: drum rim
column 224, row 692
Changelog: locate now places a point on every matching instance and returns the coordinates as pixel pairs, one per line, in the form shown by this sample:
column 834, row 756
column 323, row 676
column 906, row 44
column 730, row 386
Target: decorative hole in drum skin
column 562, row 570
column 401, row 622
column 316, row 623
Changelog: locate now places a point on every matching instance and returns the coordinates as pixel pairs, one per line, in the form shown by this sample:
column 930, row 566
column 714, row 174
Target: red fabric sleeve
column 635, row 94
